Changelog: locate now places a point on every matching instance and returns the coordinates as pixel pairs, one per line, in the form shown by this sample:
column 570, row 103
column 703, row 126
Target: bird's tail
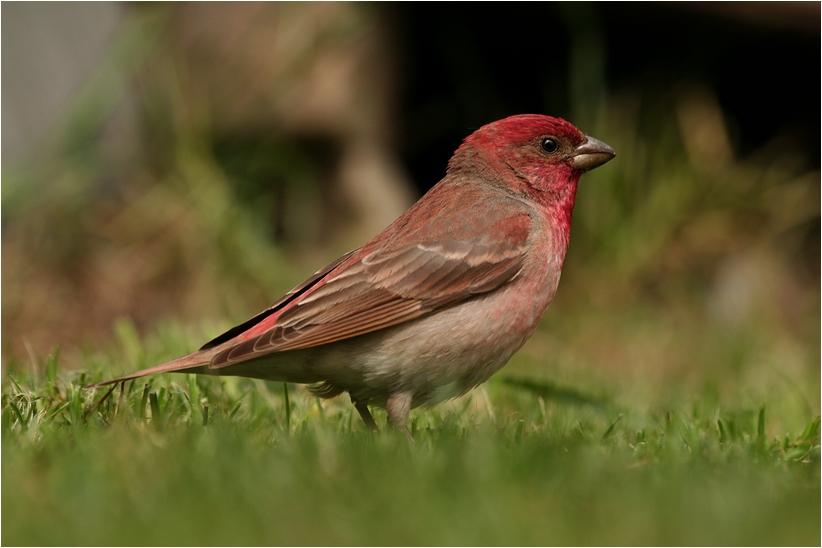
column 180, row 365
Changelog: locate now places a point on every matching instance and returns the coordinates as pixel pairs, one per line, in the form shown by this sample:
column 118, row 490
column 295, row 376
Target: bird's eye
column 549, row 145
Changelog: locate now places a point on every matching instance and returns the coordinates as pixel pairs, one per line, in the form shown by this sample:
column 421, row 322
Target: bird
column 438, row 301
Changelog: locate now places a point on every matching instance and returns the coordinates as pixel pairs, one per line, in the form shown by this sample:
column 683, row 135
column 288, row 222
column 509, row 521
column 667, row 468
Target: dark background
column 463, row 66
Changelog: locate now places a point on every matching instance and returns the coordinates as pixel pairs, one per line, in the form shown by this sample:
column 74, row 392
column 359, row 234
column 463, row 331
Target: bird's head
column 538, row 156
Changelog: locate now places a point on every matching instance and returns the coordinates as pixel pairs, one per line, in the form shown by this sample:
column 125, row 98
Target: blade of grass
column 287, row 407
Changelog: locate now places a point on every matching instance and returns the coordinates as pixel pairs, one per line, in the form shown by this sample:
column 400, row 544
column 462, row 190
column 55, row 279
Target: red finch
column 438, row 301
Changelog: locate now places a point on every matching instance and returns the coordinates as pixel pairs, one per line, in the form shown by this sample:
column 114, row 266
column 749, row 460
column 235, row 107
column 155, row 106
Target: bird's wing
column 366, row 291
column 277, row 306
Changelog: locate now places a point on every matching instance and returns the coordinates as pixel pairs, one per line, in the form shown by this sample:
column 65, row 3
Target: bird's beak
column 590, row 154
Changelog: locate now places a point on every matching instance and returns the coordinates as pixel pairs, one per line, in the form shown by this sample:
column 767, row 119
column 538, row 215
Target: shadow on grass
column 550, row 391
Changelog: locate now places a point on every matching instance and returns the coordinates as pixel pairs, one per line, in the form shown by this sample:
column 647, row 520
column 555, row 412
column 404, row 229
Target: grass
column 185, row 460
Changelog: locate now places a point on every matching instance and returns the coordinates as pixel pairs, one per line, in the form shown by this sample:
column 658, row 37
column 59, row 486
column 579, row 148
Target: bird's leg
column 362, row 409
column 398, row 407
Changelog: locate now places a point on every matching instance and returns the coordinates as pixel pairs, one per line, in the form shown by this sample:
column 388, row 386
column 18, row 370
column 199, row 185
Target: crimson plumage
column 440, row 299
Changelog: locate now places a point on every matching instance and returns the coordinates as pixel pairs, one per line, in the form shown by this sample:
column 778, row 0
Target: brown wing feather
column 388, row 287
column 287, row 298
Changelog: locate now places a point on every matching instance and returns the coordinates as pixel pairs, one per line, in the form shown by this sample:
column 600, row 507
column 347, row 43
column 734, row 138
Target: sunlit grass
column 181, row 459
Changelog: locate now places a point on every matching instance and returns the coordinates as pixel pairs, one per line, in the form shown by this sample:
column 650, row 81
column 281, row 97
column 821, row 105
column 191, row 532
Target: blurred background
column 189, row 163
